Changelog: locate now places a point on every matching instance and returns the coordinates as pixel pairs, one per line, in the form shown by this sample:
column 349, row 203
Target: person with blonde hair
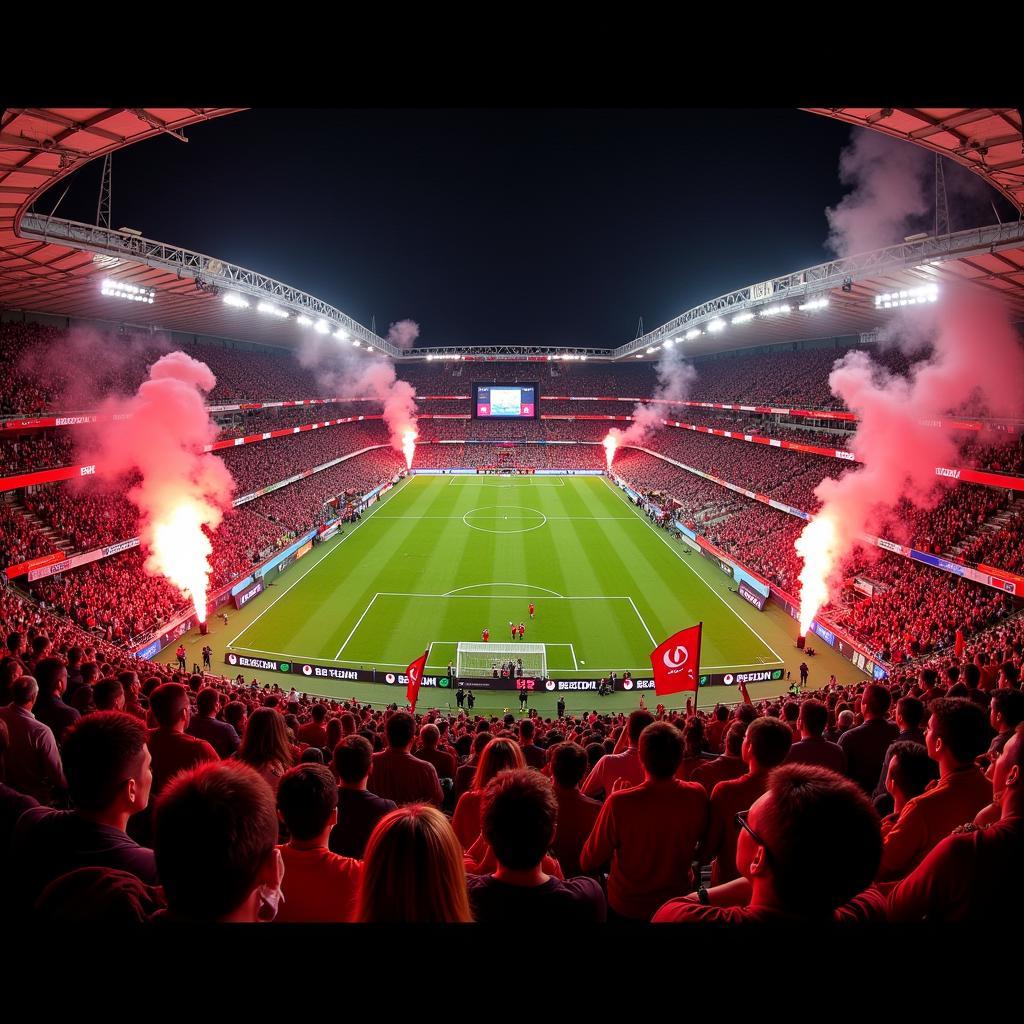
column 266, row 747
column 413, row 870
column 498, row 755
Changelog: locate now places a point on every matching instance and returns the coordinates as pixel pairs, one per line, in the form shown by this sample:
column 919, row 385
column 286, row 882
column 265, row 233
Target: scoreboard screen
column 504, row 401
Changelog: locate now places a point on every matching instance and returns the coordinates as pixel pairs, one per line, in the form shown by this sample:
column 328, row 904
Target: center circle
column 504, row 519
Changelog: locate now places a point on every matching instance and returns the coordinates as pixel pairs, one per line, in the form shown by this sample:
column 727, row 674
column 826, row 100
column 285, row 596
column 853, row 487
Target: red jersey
column 531, row 609
column 522, row 631
column 486, row 634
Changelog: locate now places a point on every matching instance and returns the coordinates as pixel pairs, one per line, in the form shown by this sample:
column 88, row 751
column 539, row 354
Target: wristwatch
column 703, row 897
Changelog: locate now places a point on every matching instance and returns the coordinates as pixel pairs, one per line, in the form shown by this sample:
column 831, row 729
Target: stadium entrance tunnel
column 504, row 519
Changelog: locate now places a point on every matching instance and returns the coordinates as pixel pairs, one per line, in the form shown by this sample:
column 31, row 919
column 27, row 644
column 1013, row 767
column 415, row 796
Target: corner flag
column 676, row 662
column 415, row 673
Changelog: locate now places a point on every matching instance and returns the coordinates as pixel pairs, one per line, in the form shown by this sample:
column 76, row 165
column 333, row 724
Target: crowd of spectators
column 132, row 792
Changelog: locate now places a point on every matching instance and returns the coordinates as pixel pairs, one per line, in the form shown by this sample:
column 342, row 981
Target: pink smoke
column 180, row 488
column 976, row 359
column 403, row 333
column 889, row 197
column 675, row 375
column 349, row 372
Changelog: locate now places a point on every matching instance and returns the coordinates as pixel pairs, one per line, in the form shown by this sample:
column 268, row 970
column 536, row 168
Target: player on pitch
column 531, row 609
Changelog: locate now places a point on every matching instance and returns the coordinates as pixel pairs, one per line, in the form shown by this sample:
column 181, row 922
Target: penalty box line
column 485, row 597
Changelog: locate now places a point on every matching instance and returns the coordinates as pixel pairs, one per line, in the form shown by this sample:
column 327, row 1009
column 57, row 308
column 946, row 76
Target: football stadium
column 718, row 624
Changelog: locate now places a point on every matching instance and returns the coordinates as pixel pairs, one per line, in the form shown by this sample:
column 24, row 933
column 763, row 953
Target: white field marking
column 642, row 623
column 701, row 578
column 522, row 508
column 477, row 586
column 581, row 519
column 517, row 597
column 356, row 626
column 300, row 578
column 575, row 663
column 554, row 481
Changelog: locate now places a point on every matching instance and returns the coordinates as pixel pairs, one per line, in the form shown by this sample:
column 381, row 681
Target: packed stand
column 865, row 804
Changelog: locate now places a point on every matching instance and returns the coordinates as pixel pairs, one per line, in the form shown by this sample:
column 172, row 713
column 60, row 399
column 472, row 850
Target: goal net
column 478, row 659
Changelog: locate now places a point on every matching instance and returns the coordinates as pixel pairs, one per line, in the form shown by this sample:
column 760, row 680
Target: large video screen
column 504, row 401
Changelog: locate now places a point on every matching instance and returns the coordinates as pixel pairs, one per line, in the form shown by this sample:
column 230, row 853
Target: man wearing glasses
column 807, row 850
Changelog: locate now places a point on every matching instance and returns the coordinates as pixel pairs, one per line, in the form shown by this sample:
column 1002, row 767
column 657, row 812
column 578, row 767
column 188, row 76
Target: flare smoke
column 180, row 488
column 675, row 375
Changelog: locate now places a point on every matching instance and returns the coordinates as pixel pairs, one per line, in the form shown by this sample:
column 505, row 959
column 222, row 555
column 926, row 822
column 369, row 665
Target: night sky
column 493, row 226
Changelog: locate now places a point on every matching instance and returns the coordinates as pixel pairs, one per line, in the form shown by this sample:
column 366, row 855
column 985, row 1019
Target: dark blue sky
column 492, row 226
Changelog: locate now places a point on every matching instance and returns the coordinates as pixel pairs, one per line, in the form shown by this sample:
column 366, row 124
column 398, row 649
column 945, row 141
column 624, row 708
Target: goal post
column 479, row 659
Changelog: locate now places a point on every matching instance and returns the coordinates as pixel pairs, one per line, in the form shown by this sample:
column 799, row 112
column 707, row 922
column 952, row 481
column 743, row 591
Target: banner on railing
column 76, row 561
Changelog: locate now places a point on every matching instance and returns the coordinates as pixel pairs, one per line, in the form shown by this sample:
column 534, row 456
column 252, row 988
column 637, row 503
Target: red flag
column 958, row 647
column 415, row 673
column 676, row 662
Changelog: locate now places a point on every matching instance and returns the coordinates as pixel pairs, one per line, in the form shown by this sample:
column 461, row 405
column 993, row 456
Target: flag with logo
column 676, row 662
column 415, row 674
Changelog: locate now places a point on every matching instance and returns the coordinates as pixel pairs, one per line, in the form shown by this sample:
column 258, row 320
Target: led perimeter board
column 504, row 401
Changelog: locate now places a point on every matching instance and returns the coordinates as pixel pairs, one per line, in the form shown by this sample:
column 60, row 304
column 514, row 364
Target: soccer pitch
column 444, row 557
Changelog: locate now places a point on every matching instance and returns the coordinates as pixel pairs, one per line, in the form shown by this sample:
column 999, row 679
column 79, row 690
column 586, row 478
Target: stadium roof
column 56, row 266
column 986, row 140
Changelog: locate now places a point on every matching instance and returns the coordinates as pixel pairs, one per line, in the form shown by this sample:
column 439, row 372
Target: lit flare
column 180, row 551
column 409, row 446
column 818, row 546
column 610, row 444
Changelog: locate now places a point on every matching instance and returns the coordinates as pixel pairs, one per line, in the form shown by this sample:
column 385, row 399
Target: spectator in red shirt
column 499, row 755
column 314, row 733
column 910, row 713
column 466, row 773
column 729, row 765
column 173, row 751
column 974, row 874
column 519, row 815
column 909, row 772
column 413, row 870
column 765, row 746
column 216, row 853
column 624, row 763
column 812, row 747
column 718, row 728
column 957, row 733
column 395, row 774
column 807, row 846
column 649, row 832
column 429, row 750
column 576, row 813
column 318, row 885
column 1006, row 712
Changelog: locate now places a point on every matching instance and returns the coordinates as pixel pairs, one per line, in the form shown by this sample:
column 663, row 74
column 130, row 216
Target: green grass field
column 441, row 558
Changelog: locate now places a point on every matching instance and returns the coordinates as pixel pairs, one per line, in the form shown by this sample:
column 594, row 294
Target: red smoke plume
column 976, row 360
column 181, row 489
column 675, row 375
column 348, row 372
column 403, row 333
